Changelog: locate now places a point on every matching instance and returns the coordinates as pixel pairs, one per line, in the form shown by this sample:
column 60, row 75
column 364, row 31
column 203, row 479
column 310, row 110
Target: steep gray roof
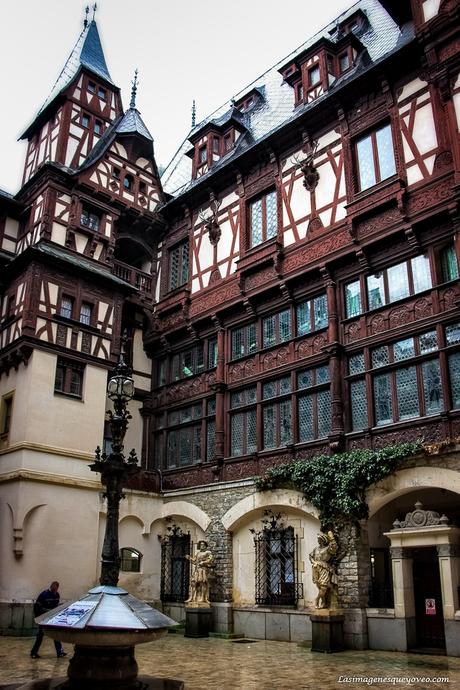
column 129, row 123
column 380, row 37
column 87, row 53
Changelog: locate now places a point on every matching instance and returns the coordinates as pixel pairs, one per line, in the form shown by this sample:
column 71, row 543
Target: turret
column 81, row 106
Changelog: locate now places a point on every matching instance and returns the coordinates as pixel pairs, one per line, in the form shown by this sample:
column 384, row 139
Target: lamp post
column 107, row 622
column 114, row 468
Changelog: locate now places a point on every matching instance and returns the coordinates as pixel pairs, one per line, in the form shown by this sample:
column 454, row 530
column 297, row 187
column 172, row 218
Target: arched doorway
column 414, row 541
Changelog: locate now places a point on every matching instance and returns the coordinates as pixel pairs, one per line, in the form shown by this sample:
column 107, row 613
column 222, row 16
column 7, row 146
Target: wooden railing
column 140, row 280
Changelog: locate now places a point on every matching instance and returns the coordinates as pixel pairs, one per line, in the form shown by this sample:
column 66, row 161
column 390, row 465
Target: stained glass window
column 428, row 342
column 432, row 387
column 404, row 349
column 453, row 334
column 380, row 356
column 356, row 363
column 407, row 393
column 382, row 400
column 454, row 371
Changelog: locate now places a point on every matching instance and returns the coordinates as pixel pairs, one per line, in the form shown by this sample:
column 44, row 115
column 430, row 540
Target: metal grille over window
column 276, row 554
column 175, row 568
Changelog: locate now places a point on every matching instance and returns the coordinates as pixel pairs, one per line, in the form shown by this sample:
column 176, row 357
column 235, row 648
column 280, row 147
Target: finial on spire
column 134, row 90
column 85, row 21
column 193, row 113
column 94, row 11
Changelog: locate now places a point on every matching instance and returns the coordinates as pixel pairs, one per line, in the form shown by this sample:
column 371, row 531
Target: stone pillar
column 221, row 585
column 403, row 583
column 449, row 570
column 353, row 586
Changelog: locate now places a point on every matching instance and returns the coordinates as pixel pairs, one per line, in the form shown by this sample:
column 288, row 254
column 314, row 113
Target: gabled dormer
column 81, row 106
column 250, row 100
column 215, row 139
column 313, row 71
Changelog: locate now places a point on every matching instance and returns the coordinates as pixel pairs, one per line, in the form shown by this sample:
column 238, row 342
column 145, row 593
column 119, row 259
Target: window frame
column 69, row 367
column 123, row 560
column 249, row 344
column 183, row 264
column 90, row 219
column 376, row 156
column 6, row 415
column 262, row 199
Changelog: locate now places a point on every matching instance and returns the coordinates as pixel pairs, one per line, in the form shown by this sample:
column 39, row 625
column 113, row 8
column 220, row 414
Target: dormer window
column 202, row 155
column 228, row 142
column 314, row 76
column 215, row 145
column 344, row 62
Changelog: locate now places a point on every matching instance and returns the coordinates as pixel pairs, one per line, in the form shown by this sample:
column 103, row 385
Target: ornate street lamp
column 107, row 622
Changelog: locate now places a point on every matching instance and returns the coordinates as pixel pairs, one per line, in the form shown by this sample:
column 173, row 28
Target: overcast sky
column 206, row 49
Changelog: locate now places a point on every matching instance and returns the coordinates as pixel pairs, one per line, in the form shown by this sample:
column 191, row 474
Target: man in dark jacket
column 46, row 600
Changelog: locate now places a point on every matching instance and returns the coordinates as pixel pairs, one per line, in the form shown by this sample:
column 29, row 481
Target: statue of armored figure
column 324, row 570
column 202, row 562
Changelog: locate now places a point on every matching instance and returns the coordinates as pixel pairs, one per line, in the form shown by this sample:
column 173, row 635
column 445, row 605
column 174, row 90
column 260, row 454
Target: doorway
column 429, row 617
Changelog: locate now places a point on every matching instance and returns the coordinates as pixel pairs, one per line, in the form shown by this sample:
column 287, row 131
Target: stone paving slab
column 216, row 664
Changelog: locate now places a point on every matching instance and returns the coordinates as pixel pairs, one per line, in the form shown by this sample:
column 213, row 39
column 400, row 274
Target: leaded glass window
column 187, row 363
column 178, row 265
column 432, row 387
column 398, row 283
column 277, row 418
column 243, row 423
column 380, row 356
column 312, row 315
column 449, row 264
column 263, row 218
column 212, row 353
column 314, row 407
column 353, row 306
column 356, row 363
column 375, row 157
column 184, row 441
column 407, row 394
column 276, row 328
column 244, row 341
column 66, row 309
column 453, row 334
column 454, row 372
column 382, row 400
column 376, row 291
column 404, row 349
column 358, row 395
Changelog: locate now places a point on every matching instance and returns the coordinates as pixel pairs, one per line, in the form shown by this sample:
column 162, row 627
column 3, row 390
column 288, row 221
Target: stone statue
column 199, row 585
column 324, row 572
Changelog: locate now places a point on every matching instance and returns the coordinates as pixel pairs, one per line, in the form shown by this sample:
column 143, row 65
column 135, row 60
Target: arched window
column 128, row 182
column 130, row 560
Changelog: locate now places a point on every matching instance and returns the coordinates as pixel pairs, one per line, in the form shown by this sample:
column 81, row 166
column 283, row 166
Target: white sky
column 204, row 49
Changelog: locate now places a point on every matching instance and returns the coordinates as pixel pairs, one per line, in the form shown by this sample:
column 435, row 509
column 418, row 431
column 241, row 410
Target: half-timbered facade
column 291, row 289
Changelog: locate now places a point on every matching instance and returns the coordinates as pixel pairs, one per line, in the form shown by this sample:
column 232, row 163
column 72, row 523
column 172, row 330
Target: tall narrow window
column 244, row 341
column 375, row 156
column 6, row 412
column 263, row 218
column 85, row 313
column 314, row 405
column 353, row 306
column 449, row 264
column 178, row 265
column 175, row 569
column 66, row 308
column 277, row 328
column 312, row 315
column 277, row 418
column 243, row 422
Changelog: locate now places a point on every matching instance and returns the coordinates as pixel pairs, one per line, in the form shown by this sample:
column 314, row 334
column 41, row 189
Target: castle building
column 290, row 288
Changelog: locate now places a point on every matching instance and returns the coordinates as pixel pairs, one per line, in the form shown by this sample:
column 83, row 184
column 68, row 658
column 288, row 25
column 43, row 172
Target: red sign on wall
column 430, row 607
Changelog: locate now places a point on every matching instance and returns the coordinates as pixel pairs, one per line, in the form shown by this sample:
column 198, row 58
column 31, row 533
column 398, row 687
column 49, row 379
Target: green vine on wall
column 336, row 484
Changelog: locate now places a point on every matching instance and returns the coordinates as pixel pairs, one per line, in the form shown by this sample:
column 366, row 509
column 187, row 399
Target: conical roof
column 132, row 123
column 87, row 53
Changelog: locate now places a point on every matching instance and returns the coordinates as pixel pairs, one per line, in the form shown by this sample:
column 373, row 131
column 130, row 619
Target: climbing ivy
column 336, row 484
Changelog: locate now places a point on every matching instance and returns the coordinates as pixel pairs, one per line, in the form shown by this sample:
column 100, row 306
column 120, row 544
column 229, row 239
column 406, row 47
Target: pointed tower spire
column 94, row 11
column 85, row 21
column 132, row 103
column 193, row 113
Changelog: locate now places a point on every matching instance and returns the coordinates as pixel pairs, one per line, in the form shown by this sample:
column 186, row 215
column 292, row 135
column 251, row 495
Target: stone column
column 353, row 586
column 403, row 584
column 449, row 570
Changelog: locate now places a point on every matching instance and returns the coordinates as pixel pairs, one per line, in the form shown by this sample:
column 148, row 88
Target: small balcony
column 138, row 279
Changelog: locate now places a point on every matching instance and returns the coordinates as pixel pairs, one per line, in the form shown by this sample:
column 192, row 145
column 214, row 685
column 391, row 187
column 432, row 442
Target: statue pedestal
column 327, row 630
column 198, row 621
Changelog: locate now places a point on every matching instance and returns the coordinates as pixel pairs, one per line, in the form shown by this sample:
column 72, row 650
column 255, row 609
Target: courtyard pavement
column 216, row 664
